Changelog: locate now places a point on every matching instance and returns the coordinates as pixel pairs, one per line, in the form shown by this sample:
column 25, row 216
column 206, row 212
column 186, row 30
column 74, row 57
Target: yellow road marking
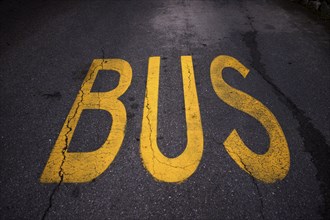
column 161, row 167
column 275, row 163
column 64, row 166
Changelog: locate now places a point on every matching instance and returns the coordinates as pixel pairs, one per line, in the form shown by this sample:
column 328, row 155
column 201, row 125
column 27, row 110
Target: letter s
column 275, row 163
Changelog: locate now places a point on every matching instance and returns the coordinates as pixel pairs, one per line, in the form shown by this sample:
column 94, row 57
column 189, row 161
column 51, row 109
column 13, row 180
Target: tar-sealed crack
column 313, row 139
column 65, row 149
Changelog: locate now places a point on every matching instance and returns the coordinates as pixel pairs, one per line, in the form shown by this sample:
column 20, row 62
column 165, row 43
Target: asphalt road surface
column 178, row 137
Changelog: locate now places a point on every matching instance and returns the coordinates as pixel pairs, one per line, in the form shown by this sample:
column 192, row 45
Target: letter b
column 64, row 166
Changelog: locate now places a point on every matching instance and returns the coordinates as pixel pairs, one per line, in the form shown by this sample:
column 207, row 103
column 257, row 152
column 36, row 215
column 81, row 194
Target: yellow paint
column 64, row 166
column 275, row 163
column 161, row 167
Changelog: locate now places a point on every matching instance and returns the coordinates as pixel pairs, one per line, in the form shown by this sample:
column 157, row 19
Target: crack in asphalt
column 259, row 194
column 150, row 139
column 150, row 128
column 150, row 133
column 256, row 186
column 313, row 139
column 65, row 149
column 189, row 76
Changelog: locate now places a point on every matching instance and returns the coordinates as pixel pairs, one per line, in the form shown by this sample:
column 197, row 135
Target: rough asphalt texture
column 46, row 48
